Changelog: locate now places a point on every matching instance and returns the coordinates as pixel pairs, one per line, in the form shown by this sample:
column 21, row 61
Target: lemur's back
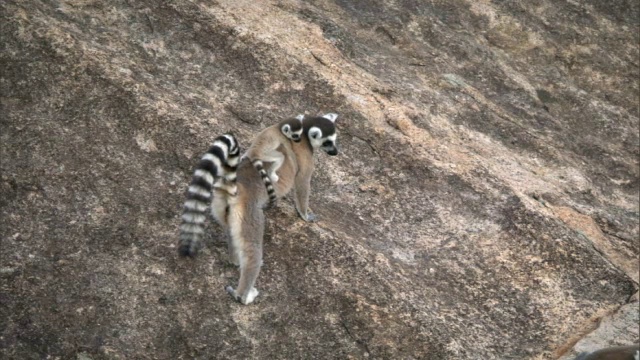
column 249, row 180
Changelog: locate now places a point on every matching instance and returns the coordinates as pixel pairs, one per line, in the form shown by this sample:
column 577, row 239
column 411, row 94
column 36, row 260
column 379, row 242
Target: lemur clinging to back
column 265, row 149
column 215, row 175
column 242, row 215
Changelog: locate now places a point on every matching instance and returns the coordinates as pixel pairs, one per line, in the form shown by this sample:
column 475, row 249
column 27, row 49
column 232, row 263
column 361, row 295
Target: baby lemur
column 265, row 150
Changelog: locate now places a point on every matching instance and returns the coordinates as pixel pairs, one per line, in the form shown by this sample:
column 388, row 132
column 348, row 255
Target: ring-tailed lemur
column 215, row 174
column 242, row 216
column 245, row 217
column 264, row 149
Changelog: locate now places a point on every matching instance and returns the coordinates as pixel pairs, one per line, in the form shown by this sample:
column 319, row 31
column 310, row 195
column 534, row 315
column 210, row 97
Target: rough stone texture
column 484, row 206
column 619, row 329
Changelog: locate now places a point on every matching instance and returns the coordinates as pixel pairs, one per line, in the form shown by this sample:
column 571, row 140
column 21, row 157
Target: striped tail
column 267, row 183
column 216, row 166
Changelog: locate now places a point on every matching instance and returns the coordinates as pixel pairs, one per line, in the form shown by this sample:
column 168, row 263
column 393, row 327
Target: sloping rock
column 617, row 329
column 484, row 205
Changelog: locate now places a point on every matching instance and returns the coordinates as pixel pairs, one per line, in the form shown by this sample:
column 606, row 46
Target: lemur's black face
column 296, row 136
column 329, row 146
column 292, row 133
column 322, row 133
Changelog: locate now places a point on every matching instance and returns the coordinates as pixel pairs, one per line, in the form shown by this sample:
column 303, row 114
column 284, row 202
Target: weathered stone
column 618, row 329
column 484, row 204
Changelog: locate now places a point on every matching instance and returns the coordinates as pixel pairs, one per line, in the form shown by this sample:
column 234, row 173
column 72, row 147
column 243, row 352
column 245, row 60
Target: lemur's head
column 321, row 132
column 292, row 128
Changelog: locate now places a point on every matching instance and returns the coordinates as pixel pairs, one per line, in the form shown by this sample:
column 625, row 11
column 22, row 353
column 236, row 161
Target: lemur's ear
column 315, row 133
column 300, row 117
column 330, row 116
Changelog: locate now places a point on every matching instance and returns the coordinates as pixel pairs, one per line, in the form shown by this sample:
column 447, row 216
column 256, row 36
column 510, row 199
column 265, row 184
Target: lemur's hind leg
column 220, row 207
column 247, row 230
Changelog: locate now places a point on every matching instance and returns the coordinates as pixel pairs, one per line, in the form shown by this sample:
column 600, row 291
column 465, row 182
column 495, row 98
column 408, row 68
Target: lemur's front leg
column 301, row 195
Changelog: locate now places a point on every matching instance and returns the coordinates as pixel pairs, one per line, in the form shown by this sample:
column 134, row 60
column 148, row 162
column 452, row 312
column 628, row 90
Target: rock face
column 621, row 328
column 484, row 204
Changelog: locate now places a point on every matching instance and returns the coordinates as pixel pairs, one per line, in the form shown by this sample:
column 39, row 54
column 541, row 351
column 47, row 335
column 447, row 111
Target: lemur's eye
column 327, row 143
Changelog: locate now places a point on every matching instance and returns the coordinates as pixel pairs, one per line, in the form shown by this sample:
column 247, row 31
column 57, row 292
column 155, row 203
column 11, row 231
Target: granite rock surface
column 484, row 204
